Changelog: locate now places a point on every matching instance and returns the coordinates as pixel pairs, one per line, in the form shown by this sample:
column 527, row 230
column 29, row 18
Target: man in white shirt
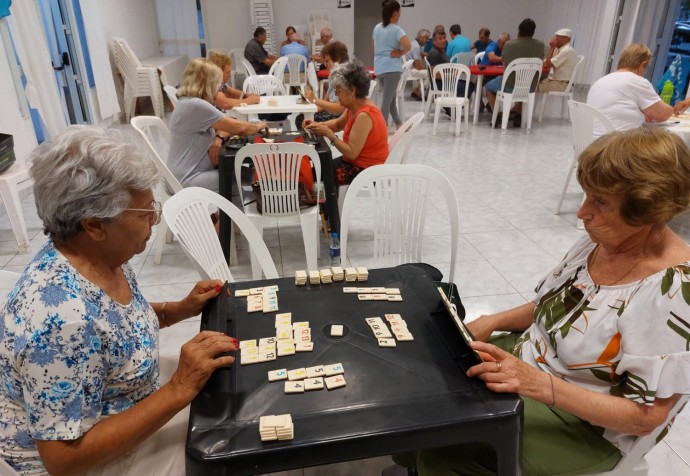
column 561, row 59
column 418, row 70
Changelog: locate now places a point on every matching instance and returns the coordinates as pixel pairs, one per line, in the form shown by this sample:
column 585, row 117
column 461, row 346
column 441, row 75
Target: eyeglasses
column 157, row 210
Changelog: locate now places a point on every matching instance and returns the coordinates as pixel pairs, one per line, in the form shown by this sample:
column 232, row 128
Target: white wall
column 133, row 20
column 228, row 23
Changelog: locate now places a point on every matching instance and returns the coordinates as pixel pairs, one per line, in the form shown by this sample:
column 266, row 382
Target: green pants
column 554, row 442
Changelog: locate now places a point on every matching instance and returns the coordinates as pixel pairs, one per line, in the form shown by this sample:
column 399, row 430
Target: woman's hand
column 306, row 123
column 261, row 127
column 681, row 106
column 504, row 373
column 309, row 94
column 251, row 99
column 320, row 129
column 199, row 358
column 482, row 327
column 195, row 301
column 214, row 151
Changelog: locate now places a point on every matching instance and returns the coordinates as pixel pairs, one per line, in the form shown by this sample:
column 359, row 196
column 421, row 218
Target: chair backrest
column 372, row 89
column 237, row 55
column 264, row 85
column 277, row 168
column 248, row 68
column 643, row 444
column 463, row 58
column 524, row 70
column 125, row 59
column 296, row 66
column 432, row 82
column 278, row 67
column 406, row 68
column 153, row 130
column 576, row 69
column 171, row 92
column 188, row 215
column 478, row 57
column 400, row 143
column 399, row 193
column 451, row 74
column 312, row 78
column 582, row 117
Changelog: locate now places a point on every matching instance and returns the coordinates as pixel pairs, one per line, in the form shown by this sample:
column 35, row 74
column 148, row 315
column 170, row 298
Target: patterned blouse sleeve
column 655, row 345
column 63, row 365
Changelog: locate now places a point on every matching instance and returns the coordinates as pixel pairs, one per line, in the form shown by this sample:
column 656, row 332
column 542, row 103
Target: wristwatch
column 222, row 139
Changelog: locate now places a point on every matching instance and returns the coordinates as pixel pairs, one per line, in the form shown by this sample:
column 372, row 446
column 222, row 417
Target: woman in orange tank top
column 365, row 141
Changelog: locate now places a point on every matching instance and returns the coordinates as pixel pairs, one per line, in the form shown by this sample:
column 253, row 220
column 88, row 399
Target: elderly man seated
column 562, row 59
column 326, row 37
column 418, row 70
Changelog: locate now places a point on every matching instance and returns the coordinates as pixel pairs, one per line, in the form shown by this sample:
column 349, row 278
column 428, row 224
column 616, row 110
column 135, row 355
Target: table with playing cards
column 324, row 375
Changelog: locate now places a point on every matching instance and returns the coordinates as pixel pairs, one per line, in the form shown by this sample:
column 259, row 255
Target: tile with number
column 334, row 382
column 387, row 342
column 294, row 387
column 314, row 383
column 297, row 374
column 276, row 375
column 304, row 347
column 334, row 369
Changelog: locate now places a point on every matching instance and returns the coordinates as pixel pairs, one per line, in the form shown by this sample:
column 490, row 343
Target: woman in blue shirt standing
column 389, row 44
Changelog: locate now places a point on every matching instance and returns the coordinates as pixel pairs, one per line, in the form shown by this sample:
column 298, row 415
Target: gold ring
column 498, row 366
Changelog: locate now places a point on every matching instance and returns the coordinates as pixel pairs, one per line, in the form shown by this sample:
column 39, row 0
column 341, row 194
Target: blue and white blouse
column 69, row 355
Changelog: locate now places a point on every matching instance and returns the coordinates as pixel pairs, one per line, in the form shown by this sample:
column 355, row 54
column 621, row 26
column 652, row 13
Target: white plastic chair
column 153, row 130
column 524, row 70
column 399, row 144
column 399, row 194
column 297, row 71
column 263, row 84
column 277, row 169
column 140, row 81
column 277, row 69
column 451, row 74
column 400, row 90
column 312, row 78
column 582, row 117
column 478, row 57
column 6, row 469
column 188, row 213
column 236, row 56
column 564, row 95
column 248, row 68
column 12, row 181
column 372, row 90
column 433, row 91
column 171, row 92
column 463, row 58
column 316, row 20
column 634, row 463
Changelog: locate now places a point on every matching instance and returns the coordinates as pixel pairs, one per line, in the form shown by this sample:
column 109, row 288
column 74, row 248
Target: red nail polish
column 219, row 289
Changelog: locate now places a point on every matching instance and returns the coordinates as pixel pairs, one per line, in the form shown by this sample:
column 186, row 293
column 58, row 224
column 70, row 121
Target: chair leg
column 542, row 105
column 437, row 113
column 10, row 196
column 494, row 114
column 467, row 115
column 506, row 104
column 233, row 246
column 458, row 120
column 573, row 163
column 308, row 221
column 256, row 267
column 530, row 110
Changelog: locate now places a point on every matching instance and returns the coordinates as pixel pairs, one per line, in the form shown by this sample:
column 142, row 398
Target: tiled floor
column 507, row 187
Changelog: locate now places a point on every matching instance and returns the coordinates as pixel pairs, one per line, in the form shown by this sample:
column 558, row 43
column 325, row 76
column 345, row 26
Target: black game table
column 227, row 181
column 410, row 397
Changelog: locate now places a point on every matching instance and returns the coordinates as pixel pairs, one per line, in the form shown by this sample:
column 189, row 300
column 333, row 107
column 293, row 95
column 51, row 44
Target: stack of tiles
column 286, row 346
column 399, row 327
column 300, row 278
column 350, row 275
column 326, row 276
column 375, row 294
column 249, row 352
column 338, row 273
column 270, row 299
column 311, row 378
column 301, row 334
column 276, row 427
column 314, row 277
column 260, row 299
column 362, row 273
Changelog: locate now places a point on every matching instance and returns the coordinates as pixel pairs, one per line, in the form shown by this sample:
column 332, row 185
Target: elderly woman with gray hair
column 79, row 363
column 365, row 140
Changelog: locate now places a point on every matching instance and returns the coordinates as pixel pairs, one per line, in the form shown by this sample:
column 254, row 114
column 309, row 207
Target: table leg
column 225, row 180
column 477, row 98
column 509, row 447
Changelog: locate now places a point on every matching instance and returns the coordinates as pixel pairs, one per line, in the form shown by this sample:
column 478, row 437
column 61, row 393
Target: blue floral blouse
column 69, row 355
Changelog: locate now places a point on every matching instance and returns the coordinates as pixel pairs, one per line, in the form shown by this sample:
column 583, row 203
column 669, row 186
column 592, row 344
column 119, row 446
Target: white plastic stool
column 13, row 180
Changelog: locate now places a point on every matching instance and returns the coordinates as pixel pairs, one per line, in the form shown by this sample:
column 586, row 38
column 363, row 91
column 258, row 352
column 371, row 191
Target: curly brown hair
column 648, row 166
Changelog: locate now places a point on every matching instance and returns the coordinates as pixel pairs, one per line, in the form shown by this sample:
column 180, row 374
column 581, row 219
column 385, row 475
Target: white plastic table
column 286, row 104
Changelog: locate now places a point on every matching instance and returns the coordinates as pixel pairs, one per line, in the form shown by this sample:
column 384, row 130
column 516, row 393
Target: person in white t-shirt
column 626, row 98
column 418, row 70
column 561, row 59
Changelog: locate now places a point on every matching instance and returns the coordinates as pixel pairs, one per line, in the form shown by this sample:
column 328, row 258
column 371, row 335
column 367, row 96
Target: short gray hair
column 351, row 75
column 423, row 32
column 87, row 172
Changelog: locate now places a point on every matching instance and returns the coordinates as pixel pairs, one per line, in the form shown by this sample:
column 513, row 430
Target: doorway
column 367, row 15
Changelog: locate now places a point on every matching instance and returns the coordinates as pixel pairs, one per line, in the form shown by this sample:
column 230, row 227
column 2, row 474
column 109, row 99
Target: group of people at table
column 591, row 355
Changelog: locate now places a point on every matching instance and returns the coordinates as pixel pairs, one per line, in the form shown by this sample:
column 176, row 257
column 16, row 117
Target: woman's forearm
column 516, row 319
column 111, row 437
